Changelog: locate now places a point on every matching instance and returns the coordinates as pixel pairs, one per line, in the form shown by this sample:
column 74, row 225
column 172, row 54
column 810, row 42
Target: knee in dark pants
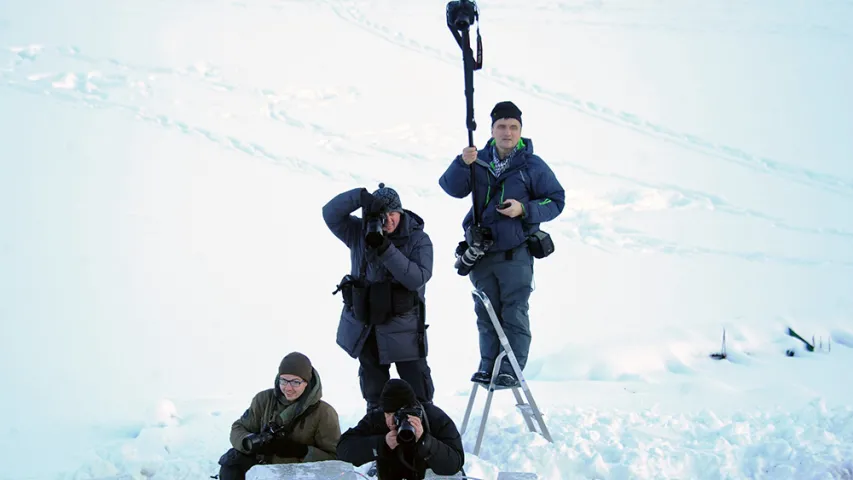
column 235, row 464
column 232, row 473
column 372, row 381
column 429, row 387
column 417, row 374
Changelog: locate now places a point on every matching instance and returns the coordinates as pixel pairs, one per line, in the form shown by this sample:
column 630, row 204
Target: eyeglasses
column 294, row 383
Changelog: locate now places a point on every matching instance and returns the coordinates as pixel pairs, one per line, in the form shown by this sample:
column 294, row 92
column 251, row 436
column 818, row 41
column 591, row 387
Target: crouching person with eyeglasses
column 288, row 423
column 405, row 437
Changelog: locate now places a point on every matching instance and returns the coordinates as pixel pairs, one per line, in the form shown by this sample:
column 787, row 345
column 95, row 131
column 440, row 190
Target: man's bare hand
column 391, row 439
column 415, row 422
column 513, row 210
column 469, row 155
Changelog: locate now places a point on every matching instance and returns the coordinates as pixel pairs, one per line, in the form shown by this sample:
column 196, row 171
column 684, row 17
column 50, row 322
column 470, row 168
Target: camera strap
column 465, row 43
column 402, row 459
column 300, row 420
column 362, row 274
column 348, row 280
column 422, row 341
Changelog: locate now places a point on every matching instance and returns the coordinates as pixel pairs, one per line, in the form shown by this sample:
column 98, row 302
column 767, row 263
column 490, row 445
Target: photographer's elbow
column 459, row 193
column 329, row 215
column 454, row 187
column 447, row 470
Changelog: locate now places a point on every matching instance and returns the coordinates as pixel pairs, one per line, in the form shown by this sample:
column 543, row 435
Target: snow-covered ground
column 163, row 165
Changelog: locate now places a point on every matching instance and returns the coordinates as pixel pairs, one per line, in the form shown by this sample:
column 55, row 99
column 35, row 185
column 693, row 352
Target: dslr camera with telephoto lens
column 481, row 241
column 405, row 430
column 257, row 440
column 374, row 222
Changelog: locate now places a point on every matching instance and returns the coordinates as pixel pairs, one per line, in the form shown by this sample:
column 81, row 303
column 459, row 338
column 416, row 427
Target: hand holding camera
column 408, row 428
column 391, row 439
column 288, row 448
column 374, row 219
column 370, row 204
column 272, row 440
column 417, row 426
column 379, row 243
column 258, row 442
column 481, row 241
column 408, row 424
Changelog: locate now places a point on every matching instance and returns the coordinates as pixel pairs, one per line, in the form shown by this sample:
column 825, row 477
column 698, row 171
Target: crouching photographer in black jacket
column 405, row 438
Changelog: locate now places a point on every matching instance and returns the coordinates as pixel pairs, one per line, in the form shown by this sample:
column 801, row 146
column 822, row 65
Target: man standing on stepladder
column 516, row 191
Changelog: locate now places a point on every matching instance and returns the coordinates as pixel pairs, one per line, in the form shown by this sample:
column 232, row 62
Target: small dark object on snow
column 809, row 346
column 789, row 352
column 722, row 354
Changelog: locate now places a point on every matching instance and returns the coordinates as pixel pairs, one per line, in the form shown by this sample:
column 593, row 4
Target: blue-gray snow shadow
column 119, row 432
column 842, row 337
column 682, row 198
column 578, row 364
column 842, row 470
column 738, row 358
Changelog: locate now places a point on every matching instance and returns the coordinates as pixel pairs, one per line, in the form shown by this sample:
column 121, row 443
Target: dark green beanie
column 296, row 364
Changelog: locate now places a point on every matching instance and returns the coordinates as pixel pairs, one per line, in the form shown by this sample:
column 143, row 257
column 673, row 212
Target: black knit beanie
column 505, row 110
column 296, row 364
column 390, row 199
column 397, row 394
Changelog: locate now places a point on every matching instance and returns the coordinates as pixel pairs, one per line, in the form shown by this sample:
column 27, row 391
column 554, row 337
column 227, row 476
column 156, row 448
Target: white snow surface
column 163, row 165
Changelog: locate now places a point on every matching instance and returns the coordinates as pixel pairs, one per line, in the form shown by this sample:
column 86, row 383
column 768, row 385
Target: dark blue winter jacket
column 527, row 179
column 407, row 262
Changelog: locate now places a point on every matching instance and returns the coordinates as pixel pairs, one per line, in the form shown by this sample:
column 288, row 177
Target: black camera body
column 373, row 228
column 257, row 440
column 481, row 242
column 461, row 14
column 405, row 430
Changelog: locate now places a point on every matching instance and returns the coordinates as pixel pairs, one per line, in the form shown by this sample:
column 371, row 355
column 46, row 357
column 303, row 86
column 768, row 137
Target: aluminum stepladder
column 529, row 410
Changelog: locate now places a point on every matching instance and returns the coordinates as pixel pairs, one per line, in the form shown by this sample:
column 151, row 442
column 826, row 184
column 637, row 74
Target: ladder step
column 526, row 409
column 494, row 387
column 517, row 476
column 532, row 415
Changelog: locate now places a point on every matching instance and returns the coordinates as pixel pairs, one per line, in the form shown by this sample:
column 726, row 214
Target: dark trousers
column 507, row 282
column 372, row 375
column 234, row 465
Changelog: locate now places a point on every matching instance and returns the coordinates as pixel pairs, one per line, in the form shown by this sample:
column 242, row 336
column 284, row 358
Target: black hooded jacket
column 439, row 448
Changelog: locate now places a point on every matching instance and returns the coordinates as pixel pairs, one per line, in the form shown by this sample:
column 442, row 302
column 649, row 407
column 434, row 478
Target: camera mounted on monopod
column 461, row 14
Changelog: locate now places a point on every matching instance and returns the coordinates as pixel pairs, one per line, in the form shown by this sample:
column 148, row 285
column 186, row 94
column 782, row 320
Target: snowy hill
column 164, row 164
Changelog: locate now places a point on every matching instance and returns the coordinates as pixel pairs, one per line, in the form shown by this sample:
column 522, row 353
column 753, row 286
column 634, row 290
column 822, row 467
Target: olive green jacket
column 319, row 429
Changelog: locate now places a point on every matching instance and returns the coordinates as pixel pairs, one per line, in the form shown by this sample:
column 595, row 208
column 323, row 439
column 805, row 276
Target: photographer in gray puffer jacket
column 383, row 318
